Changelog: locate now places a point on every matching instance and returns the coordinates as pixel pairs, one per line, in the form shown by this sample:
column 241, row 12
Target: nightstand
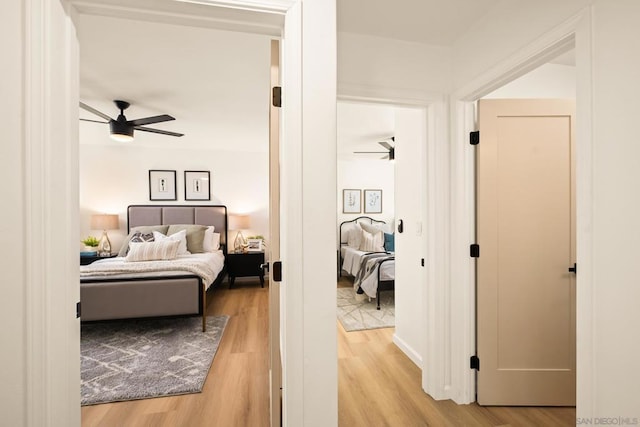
column 245, row 264
column 88, row 259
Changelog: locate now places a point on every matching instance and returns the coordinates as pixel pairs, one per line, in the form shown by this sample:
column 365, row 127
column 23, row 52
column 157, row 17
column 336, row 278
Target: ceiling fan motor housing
column 121, row 127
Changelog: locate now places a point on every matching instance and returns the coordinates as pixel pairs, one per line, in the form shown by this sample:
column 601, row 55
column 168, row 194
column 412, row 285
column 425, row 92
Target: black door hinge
column 277, row 271
column 474, row 363
column 422, row 262
column 475, row 250
column 474, row 137
column 78, row 310
column 276, row 96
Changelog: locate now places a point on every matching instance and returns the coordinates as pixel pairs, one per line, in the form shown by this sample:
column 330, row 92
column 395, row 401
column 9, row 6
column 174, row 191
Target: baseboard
column 408, row 350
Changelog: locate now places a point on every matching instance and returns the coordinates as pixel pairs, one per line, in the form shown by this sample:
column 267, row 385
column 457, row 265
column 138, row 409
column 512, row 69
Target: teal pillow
column 389, row 242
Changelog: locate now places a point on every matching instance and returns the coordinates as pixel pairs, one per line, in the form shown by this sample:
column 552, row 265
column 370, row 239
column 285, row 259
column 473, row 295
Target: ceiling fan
column 122, row 129
column 389, row 154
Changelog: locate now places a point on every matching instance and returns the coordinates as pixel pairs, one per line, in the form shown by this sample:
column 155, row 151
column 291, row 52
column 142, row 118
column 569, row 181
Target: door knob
column 573, row 269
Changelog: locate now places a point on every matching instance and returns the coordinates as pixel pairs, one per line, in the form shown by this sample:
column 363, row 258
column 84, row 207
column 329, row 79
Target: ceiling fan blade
column 385, row 144
column 94, row 111
column 163, row 132
column 93, row 121
column 149, row 120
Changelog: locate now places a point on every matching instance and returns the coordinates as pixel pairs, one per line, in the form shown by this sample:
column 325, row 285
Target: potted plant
column 90, row 243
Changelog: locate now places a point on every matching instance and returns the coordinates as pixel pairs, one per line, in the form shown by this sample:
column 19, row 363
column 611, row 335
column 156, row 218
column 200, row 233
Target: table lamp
column 239, row 222
column 104, row 222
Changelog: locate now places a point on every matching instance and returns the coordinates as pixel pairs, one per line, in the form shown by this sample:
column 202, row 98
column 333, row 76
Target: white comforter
column 205, row 265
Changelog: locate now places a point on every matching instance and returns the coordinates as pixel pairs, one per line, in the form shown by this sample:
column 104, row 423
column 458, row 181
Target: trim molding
column 409, row 351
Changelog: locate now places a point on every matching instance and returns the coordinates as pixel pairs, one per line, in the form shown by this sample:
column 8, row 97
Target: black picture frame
column 162, row 185
column 197, row 185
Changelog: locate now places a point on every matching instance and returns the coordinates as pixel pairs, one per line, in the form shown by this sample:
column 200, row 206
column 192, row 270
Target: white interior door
column 526, row 232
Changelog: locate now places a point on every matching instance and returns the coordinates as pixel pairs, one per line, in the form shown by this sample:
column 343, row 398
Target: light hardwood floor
column 378, row 384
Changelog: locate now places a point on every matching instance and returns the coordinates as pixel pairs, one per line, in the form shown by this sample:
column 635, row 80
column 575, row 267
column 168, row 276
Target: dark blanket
column 369, row 269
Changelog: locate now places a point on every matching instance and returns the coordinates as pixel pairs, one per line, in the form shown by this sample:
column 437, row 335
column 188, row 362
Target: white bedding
column 352, row 259
column 205, row 265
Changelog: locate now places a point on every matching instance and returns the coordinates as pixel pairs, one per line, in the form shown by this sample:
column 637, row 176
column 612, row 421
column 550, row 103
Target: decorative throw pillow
column 354, row 236
column 389, row 242
column 208, row 244
column 180, row 236
column 372, row 242
column 152, row 251
column 372, row 228
column 141, row 229
column 195, row 236
column 140, row 237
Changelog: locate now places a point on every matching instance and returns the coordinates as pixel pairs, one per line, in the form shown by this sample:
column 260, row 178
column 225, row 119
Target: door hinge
column 475, row 250
column 474, row 137
column 276, row 96
column 422, row 262
column 277, row 271
column 474, row 363
column 78, row 309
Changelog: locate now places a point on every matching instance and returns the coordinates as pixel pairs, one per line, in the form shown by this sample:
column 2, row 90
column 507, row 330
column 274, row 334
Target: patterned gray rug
column 144, row 358
column 360, row 315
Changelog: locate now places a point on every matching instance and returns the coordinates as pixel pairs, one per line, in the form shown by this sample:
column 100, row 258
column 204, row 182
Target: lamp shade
column 239, row 222
column 104, row 222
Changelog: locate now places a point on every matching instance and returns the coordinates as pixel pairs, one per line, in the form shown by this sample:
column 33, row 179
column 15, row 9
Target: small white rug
column 360, row 315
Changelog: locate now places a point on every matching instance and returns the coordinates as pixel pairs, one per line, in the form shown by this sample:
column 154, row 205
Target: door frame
column 574, row 32
column 308, row 343
column 435, row 175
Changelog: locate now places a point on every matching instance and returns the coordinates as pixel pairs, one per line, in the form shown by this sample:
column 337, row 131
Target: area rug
column 360, row 315
column 144, row 358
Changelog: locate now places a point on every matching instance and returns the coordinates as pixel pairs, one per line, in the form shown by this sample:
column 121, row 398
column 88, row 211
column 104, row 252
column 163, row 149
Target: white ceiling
column 214, row 82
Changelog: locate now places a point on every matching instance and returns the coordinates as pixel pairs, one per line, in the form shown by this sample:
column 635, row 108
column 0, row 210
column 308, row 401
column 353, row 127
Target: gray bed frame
column 110, row 298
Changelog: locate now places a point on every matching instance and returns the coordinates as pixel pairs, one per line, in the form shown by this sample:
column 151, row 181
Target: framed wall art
column 197, row 185
column 162, row 185
column 351, row 201
column 372, row 201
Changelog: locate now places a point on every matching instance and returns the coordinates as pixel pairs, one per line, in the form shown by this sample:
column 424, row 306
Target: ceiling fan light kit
column 121, row 129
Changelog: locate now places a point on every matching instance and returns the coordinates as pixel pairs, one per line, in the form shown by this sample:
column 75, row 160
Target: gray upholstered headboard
column 215, row 215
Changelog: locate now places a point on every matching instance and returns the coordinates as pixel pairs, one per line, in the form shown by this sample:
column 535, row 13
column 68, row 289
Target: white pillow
column 180, row 236
column 372, row 242
column 372, row 228
column 211, row 242
column 152, row 251
column 354, row 236
column 216, row 242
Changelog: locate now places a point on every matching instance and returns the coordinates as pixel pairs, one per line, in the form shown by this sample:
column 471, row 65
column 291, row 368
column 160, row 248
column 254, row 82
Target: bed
column 373, row 267
column 116, row 289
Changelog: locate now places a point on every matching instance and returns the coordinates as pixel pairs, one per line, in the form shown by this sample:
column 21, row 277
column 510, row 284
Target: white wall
column 411, row 68
column 616, row 66
column 239, row 180
column 410, row 196
column 371, row 175
column 547, row 81
column 608, row 381
column 218, row 97
column 503, row 31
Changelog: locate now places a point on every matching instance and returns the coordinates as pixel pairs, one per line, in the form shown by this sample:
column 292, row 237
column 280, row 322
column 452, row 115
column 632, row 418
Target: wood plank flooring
column 378, row 384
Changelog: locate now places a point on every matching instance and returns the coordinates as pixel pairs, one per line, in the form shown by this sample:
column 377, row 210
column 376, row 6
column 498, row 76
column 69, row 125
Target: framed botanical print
column 351, row 201
column 162, row 185
column 372, row 201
